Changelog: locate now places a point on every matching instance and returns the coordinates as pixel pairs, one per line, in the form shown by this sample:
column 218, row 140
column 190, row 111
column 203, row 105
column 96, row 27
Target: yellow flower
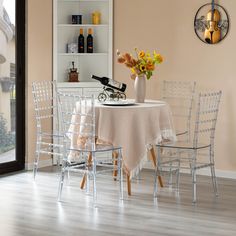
column 142, row 68
column 158, row 57
column 141, row 54
column 144, row 62
column 133, row 70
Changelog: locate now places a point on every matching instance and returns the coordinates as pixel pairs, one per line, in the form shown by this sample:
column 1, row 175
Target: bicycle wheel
column 122, row 96
column 102, row 97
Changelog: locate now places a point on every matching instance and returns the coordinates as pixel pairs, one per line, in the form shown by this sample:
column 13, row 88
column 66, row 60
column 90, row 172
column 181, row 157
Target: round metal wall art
column 211, row 23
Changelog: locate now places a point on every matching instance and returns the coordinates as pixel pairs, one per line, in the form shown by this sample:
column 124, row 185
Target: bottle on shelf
column 111, row 83
column 81, row 41
column 96, row 18
column 90, row 41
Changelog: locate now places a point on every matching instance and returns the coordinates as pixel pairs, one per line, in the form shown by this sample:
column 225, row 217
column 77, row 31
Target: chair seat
column 98, row 148
column 181, row 132
column 182, row 145
column 51, row 134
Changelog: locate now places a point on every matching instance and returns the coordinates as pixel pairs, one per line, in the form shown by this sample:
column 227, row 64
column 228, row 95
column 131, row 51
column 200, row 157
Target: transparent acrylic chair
column 180, row 96
column 48, row 138
column 81, row 151
column 199, row 151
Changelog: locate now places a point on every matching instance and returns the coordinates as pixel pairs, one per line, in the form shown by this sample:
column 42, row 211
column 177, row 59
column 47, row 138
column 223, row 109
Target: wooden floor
column 29, row 209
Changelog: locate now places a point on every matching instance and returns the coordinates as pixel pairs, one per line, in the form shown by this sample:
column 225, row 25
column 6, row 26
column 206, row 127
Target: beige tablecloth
column 134, row 128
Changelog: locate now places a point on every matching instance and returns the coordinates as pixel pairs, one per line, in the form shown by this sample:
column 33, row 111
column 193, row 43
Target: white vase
column 140, row 88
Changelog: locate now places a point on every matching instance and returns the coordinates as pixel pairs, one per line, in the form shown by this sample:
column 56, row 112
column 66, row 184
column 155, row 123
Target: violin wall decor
column 211, row 23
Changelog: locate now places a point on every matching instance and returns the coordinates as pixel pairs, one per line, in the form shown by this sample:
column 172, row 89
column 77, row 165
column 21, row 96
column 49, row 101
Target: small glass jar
column 96, row 18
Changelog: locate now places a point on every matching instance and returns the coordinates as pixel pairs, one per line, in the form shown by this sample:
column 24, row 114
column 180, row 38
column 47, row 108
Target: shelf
column 82, row 54
column 89, row 84
column 82, row 25
column 64, row 33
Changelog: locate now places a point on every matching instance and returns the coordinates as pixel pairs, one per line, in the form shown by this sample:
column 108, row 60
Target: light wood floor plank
column 29, row 209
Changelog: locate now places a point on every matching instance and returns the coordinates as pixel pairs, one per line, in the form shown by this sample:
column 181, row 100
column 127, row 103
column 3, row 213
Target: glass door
column 12, row 85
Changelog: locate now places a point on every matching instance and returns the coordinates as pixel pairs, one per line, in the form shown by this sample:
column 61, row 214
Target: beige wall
column 38, row 60
column 165, row 25
column 168, row 27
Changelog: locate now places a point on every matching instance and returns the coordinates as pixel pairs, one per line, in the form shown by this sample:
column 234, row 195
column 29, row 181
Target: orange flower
column 127, row 57
column 150, row 67
column 128, row 64
column 134, row 62
column 121, row 59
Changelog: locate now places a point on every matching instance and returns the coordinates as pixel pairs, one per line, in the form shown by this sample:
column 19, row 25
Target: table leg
column 153, row 158
column 84, row 177
column 128, row 184
column 115, row 157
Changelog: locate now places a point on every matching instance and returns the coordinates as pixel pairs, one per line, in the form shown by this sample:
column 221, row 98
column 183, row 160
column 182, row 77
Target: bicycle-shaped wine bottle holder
column 110, row 93
column 112, row 89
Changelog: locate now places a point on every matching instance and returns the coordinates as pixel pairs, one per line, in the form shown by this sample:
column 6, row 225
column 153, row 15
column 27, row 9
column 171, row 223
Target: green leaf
column 149, row 74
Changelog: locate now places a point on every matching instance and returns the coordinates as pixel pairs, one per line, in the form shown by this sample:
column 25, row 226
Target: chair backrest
column 180, row 96
column 78, row 120
column 45, row 104
column 206, row 117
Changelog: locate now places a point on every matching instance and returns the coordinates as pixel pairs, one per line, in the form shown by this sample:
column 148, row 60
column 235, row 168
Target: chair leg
column 61, row 182
column 83, row 181
column 154, row 160
column 214, row 182
column 37, row 156
column 94, row 169
column 213, row 175
column 170, row 179
column 115, row 160
column 157, row 173
column 128, row 184
column 178, row 176
column 194, row 178
column 120, row 171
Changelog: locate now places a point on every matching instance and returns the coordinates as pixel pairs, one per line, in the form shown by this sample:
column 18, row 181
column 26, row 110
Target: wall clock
column 211, row 23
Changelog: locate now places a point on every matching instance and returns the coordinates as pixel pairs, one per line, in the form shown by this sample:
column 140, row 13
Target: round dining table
column 136, row 127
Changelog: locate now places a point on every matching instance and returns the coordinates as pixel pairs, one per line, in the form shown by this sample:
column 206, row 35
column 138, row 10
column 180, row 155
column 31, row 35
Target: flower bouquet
column 143, row 64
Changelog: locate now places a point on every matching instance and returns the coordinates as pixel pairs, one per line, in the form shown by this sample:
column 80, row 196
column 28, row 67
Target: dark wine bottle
column 90, row 41
column 81, row 41
column 111, row 83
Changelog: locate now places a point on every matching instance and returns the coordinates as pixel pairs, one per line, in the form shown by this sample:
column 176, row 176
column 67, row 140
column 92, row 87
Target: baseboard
column 43, row 163
column 219, row 173
column 148, row 165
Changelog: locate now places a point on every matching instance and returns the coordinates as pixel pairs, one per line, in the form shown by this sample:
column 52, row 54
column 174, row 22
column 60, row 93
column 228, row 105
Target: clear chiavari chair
column 200, row 150
column 180, row 97
column 48, row 136
column 81, row 150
